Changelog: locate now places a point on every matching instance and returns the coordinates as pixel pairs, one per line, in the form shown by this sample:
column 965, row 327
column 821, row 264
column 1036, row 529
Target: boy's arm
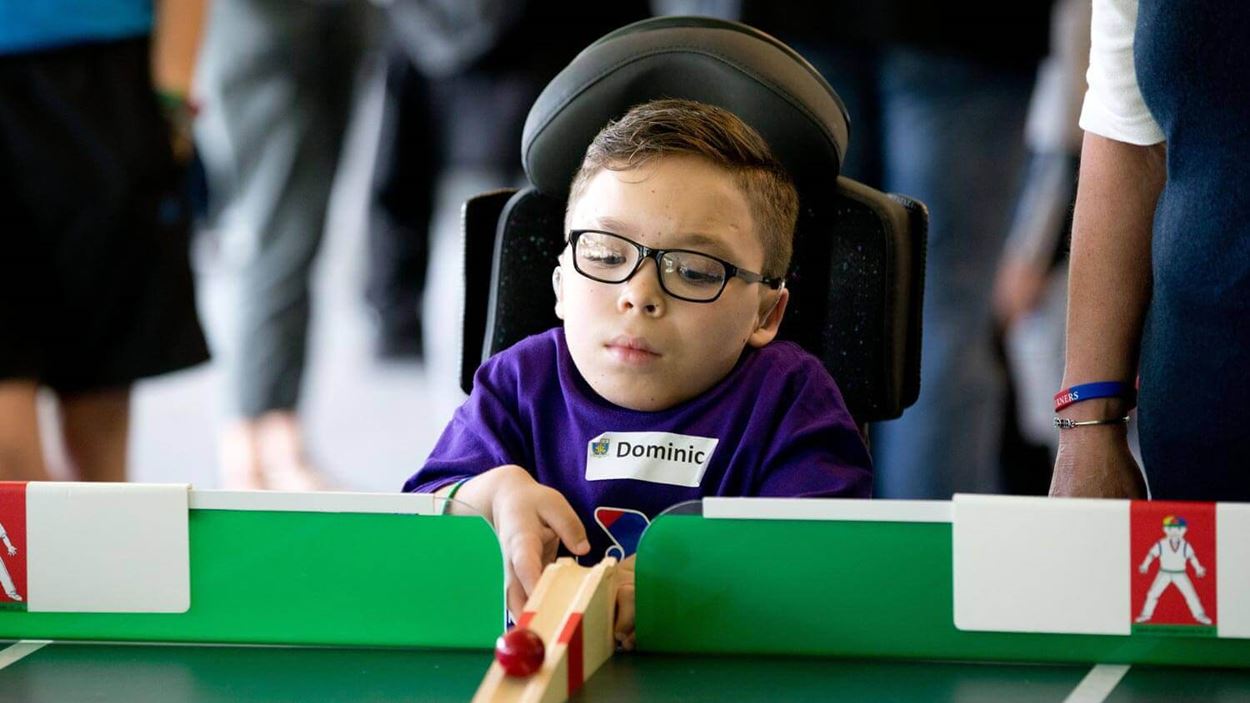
column 485, row 432
column 1150, row 556
column 816, row 449
column 531, row 520
column 479, row 451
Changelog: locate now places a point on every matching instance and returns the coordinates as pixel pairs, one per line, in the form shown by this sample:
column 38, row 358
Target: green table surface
column 176, row 674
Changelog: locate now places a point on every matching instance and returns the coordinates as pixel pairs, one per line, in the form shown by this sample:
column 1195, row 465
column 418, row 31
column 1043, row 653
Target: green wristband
column 452, row 494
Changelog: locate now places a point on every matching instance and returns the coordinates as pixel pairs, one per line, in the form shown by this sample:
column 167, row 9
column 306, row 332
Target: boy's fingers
column 625, row 612
column 561, row 517
column 527, row 561
column 516, row 599
column 514, row 595
column 551, row 546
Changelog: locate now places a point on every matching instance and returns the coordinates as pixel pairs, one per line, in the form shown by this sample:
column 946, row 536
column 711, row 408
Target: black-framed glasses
column 684, row 274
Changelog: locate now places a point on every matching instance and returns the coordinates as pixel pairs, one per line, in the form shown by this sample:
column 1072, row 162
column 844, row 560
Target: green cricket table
column 64, row 672
column 310, row 605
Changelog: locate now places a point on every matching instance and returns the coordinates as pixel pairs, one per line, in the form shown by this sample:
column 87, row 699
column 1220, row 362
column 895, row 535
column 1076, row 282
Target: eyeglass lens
column 612, row 259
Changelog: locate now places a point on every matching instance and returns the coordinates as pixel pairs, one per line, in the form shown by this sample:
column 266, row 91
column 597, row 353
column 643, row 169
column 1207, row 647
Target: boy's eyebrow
column 685, row 239
column 703, row 243
column 613, row 225
column 696, row 239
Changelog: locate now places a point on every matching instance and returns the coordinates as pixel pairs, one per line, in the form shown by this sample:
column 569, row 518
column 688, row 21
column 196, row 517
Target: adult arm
column 1108, row 292
column 175, row 48
column 1122, row 174
column 176, row 43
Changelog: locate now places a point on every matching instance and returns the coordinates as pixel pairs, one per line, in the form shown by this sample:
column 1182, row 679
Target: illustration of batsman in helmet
column 1173, row 553
column 10, row 589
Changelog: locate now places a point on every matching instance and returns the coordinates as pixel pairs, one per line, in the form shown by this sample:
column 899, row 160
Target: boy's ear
column 557, row 280
column 770, row 319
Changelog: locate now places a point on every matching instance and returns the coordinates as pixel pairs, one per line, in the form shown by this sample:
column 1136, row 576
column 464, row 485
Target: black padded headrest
column 713, row 61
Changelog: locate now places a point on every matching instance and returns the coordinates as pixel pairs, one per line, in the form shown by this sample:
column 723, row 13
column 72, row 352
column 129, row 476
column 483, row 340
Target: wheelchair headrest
column 722, row 63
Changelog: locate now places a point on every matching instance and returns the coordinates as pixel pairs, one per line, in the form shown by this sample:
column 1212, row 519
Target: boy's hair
column 670, row 127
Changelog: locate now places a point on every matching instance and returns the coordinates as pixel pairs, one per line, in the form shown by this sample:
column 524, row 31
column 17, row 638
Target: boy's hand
column 625, row 604
column 531, row 521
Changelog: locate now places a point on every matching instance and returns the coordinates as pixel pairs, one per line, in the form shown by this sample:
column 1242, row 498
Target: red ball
column 520, row 652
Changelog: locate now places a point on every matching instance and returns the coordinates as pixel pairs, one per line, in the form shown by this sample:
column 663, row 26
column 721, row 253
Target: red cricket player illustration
column 1174, row 554
column 10, row 588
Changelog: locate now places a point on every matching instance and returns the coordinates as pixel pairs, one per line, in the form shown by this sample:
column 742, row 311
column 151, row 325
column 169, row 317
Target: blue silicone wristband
column 1089, row 391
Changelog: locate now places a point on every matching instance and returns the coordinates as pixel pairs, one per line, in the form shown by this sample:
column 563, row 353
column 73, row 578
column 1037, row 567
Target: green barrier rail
column 316, row 578
column 847, row 589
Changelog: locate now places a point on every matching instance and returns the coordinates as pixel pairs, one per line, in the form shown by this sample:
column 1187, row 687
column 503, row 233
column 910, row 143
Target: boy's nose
column 642, row 292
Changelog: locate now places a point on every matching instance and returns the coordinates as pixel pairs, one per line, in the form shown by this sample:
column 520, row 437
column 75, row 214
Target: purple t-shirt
column 775, row 426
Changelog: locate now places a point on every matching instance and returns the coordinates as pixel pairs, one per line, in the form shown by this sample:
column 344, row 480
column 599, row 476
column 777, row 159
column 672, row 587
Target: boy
column 662, row 385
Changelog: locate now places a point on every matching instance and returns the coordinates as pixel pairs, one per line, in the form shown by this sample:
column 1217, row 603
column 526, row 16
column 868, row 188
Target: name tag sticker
column 656, row 457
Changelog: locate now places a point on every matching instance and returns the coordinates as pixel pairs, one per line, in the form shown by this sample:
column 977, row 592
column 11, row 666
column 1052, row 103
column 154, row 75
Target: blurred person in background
column 937, row 95
column 95, row 284
column 460, row 86
column 401, row 205
column 276, row 79
column 277, row 82
column 1030, row 289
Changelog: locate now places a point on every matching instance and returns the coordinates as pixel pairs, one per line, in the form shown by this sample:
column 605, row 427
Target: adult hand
column 531, row 520
column 625, row 604
column 1018, row 289
column 1095, row 462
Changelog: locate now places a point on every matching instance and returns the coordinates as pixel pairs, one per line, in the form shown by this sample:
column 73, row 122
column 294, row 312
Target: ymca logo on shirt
column 657, row 457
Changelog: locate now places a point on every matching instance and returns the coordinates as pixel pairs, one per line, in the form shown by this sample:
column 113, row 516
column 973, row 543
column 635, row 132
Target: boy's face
column 1175, row 531
column 635, row 345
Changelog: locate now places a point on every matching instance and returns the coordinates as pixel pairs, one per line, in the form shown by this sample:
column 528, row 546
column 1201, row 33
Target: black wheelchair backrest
column 857, row 274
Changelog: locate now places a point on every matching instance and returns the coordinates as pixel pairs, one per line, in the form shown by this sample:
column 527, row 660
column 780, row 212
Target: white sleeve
column 1055, row 107
column 1113, row 103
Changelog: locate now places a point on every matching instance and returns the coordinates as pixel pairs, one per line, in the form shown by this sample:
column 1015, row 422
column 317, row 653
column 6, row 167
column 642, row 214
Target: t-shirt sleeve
column 1113, row 106
column 817, row 450
column 485, row 432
